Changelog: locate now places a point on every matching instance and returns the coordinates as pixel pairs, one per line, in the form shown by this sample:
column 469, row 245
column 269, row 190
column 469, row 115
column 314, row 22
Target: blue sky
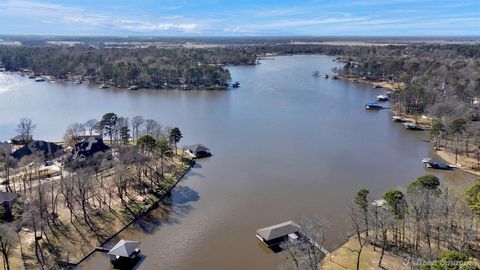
column 242, row 17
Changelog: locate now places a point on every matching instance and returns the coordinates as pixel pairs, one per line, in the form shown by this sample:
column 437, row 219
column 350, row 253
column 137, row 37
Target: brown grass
column 344, row 258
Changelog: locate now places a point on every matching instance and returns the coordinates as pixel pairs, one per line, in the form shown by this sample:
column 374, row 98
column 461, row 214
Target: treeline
column 439, row 79
column 425, row 223
column 143, row 67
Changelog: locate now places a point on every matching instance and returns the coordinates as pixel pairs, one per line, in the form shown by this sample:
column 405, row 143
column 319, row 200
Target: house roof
column 20, row 138
column 198, row 148
column 42, row 147
column 124, row 248
column 7, row 196
column 279, row 230
column 90, row 145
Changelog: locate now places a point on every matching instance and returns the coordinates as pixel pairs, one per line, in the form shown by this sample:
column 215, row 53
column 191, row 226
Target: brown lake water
column 285, row 144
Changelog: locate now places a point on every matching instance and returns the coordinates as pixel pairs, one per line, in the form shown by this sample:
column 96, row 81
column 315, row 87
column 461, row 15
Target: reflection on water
column 285, row 144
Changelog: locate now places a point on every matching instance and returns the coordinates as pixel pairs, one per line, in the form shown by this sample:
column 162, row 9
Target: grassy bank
column 345, row 257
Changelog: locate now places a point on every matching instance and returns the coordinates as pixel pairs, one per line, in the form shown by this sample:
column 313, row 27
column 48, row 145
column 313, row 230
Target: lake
column 285, row 145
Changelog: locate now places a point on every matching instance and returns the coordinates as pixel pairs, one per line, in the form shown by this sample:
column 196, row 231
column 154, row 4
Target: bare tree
column 137, row 121
column 153, row 128
column 92, row 126
column 25, row 129
column 357, row 223
column 8, row 240
column 74, row 133
column 304, row 253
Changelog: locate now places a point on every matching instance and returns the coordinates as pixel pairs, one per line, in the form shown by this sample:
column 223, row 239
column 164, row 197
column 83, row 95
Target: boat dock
column 319, row 247
column 275, row 235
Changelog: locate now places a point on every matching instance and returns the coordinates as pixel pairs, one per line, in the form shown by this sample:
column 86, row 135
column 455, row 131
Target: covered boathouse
column 276, row 234
column 125, row 252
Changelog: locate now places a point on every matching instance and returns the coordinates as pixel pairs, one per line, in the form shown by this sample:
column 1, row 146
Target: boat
column 133, row 87
column 39, row 79
column 77, row 82
column 103, row 86
column 373, row 106
column 376, row 86
column 326, row 76
column 334, row 77
column 398, row 119
column 412, row 126
column 382, row 98
column 316, row 73
column 31, row 76
column 354, row 80
column 388, row 93
column 236, row 85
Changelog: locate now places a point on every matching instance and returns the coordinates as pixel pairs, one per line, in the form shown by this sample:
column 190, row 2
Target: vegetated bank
column 69, row 198
column 154, row 68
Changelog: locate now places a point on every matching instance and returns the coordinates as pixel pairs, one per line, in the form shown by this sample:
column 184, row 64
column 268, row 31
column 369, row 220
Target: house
column 21, row 140
column 47, row 149
column 276, row 234
column 5, row 149
column 6, row 201
column 197, row 151
column 124, row 251
column 89, row 146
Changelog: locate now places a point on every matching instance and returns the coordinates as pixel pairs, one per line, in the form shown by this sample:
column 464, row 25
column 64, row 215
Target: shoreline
column 153, row 206
column 393, row 86
column 52, row 79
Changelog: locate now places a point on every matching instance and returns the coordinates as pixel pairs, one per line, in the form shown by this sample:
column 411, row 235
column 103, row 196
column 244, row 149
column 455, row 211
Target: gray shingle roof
column 197, row 148
column 279, row 230
column 7, row 197
column 42, row 147
column 124, row 248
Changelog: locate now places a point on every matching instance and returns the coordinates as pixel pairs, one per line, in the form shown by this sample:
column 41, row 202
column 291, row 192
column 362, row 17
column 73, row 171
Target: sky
column 242, row 17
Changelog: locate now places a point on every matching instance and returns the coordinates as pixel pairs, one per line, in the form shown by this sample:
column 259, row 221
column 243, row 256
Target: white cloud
column 80, row 17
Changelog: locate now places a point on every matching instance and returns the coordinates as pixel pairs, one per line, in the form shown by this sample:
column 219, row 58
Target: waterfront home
column 124, row 252
column 275, row 235
column 373, row 106
column 197, row 151
column 46, row 149
column 20, row 140
column 89, row 146
column 6, row 201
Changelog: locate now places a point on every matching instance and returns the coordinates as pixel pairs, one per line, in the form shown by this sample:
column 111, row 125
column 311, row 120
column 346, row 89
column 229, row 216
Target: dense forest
column 442, row 81
column 143, row 67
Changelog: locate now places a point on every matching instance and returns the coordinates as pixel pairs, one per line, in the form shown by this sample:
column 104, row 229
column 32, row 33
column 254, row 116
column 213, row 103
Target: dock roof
column 279, row 230
column 124, row 248
column 198, row 148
